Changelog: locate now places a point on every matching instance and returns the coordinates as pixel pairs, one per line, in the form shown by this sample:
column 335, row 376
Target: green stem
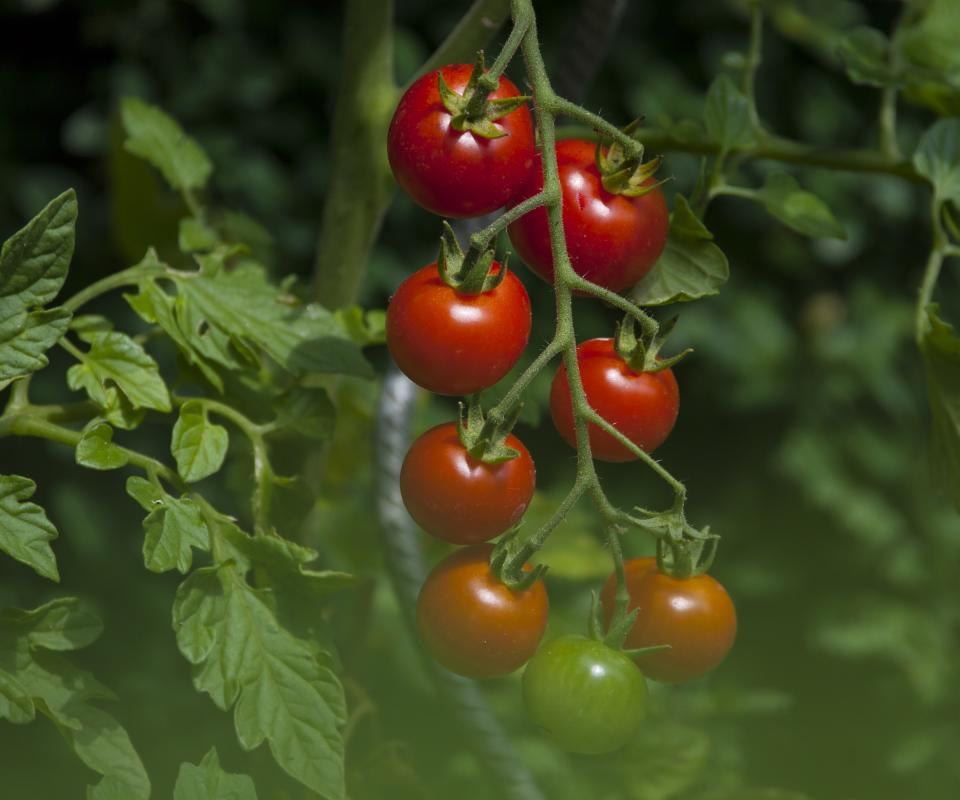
column 558, row 105
column 127, row 277
column 938, row 251
column 28, row 424
column 502, row 410
column 263, row 473
column 753, row 62
column 539, row 539
column 360, row 185
column 482, row 239
column 778, row 148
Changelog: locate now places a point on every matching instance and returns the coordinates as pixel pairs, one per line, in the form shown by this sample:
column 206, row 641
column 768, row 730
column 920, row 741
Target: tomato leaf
column 800, row 210
column 42, row 679
column 33, row 267
column 941, row 354
column 663, row 761
column 116, row 363
column 937, row 158
column 727, row 115
column 25, row 531
column 208, row 781
column 96, row 449
column 865, row 53
column 306, row 411
column 222, row 318
column 194, row 235
column 198, row 445
column 690, row 267
column 158, row 138
column 279, row 689
column 172, row 527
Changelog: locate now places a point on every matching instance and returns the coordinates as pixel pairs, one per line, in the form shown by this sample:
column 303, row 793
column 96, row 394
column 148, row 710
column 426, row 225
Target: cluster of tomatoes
column 456, row 334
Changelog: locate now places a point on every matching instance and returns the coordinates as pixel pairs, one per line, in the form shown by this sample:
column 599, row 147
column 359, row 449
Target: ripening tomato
column 695, row 616
column 455, row 343
column 589, row 697
column 458, row 173
column 613, row 240
column 459, row 498
column 473, row 624
column 641, row 405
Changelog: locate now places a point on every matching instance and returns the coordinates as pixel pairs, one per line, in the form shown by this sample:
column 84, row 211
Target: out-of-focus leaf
column 662, row 761
column 65, row 693
column 307, row 411
column 195, row 235
column 800, row 210
column 155, row 136
column 937, row 158
column 941, row 353
column 865, row 53
column 727, row 115
column 25, row 531
column 208, row 781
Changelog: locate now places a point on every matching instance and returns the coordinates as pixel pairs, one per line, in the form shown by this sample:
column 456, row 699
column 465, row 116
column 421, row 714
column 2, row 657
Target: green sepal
column 473, row 110
column 642, row 353
column 485, row 439
column 508, row 559
column 690, row 555
column 470, row 273
column 626, row 173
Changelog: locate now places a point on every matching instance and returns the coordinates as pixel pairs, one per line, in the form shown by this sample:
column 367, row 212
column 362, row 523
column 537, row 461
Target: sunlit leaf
column 198, row 445
column 33, row 267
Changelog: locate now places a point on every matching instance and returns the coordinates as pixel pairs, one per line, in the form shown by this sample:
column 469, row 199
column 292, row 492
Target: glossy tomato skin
column 473, row 624
column 454, row 343
column 457, row 173
column 459, row 499
column 612, row 240
column 695, row 616
column 641, row 405
column 590, row 698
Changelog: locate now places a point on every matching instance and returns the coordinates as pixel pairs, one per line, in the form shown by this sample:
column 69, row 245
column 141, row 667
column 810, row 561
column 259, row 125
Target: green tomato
column 589, row 697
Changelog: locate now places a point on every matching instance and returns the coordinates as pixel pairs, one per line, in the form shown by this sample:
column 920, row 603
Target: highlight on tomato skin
column 453, row 343
column 695, row 616
column 588, row 697
column 643, row 406
column 458, row 498
column 612, row 240
column 473, row 624
column 456, row 173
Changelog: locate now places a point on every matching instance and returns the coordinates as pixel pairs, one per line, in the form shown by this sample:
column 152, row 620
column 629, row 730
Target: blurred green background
column 802, row 435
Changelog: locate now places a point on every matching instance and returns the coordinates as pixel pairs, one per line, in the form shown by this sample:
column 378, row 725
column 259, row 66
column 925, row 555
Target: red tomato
column 457, row 173
column 453, row 343
column 459, row 499
column 613, row 240
column 473, row 624
column 695, row 616
column 641, row 405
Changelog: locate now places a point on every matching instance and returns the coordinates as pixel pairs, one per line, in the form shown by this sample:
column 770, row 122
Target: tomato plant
column 641, row 405
column 458, row 172
column 459, row 498
column 589, row 697
column 695, row 616
column 453, row 342
column 612, row 239
column 474, row 624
